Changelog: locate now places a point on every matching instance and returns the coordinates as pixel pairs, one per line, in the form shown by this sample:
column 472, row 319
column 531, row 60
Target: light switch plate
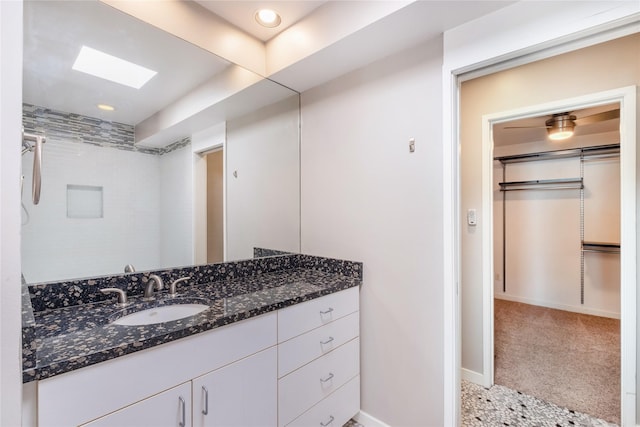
column 472, row 217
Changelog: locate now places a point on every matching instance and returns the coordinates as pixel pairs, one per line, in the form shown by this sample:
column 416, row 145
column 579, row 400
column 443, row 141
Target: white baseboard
column 472, row 376
column 572, row 308
column 368, row 420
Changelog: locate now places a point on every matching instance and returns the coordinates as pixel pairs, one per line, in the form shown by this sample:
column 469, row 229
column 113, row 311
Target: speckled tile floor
column 352, row 423
column 501, row 406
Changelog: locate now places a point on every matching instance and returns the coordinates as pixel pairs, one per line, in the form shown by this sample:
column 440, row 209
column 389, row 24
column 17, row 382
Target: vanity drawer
column 305, row 387
column 303, row 317
column 304, row 348
column 335, row 410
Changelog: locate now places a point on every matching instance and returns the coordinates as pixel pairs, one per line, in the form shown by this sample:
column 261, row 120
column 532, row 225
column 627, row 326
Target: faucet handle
column 172, row 287
column 122, row 295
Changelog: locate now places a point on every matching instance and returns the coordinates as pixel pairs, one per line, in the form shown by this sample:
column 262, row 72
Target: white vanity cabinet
column 133, row 387
column 298, row 366
column 319, row 361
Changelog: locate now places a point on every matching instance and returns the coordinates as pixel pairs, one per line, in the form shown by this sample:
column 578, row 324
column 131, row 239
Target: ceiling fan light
column 561, row 127
column 558, row 135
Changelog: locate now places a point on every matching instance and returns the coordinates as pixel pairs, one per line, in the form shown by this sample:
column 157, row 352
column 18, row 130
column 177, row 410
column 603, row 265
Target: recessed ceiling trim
column 268, row 18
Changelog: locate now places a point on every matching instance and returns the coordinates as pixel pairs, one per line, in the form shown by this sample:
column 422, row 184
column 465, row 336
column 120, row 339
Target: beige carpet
column 569, row 359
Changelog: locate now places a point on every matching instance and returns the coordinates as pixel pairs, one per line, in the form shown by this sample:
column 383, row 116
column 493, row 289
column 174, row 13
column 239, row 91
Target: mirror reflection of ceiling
column 533, row 129
column 56, row 35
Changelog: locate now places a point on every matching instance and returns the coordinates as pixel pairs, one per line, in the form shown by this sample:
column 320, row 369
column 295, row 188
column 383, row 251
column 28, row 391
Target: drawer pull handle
column 327, row 341
column 328, row 422
column 329, row 310
column 205, row 411
column 183, row 415
column 329, row 377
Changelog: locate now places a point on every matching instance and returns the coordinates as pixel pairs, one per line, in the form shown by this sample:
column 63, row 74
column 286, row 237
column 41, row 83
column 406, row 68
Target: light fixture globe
column 560, row 126
column 268, row 18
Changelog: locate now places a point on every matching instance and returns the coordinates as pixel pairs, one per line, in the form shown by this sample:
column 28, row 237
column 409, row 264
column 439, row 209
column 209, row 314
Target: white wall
column 10, row 123
column 55, row 247
column 263, row 200
column 365, row 197
column 176, row 208
column 543, row 236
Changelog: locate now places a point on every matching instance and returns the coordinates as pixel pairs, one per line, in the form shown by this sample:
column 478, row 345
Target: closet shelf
column 543, row 184
column 598, row 150
column 602, row 247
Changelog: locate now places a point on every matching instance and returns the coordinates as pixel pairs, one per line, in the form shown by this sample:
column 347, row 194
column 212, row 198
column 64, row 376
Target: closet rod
column 542, row 184
column 561, row 154
column 608, row 248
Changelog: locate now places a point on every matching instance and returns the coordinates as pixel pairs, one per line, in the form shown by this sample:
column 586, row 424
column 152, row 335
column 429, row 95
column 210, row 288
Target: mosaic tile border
column 60, row 125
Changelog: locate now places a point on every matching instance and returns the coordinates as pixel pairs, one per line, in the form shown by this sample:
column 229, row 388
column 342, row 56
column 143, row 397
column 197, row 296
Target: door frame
column 466, row 56
column 626, row 97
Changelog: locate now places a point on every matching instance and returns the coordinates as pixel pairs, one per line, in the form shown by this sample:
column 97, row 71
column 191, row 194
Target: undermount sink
column 162, row 314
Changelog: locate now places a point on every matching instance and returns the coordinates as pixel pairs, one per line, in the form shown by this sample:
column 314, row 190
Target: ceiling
column 56, row 30
column 242, row 14
column 535, row 130
column 351, row 34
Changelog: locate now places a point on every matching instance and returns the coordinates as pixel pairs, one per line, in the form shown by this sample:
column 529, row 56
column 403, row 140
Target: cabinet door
column 242, row 394
column 171, row 408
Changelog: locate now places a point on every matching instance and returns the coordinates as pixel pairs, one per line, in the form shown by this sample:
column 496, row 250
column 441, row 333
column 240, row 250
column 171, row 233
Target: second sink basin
column 161, row 314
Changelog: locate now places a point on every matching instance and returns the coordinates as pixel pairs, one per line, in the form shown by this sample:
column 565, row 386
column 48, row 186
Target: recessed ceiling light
column 109, row 67
column 106, row 107
column 268, row 18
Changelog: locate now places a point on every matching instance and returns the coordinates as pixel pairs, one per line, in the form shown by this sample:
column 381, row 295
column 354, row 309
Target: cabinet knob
column 328, row 422
column 327, row 311
column 328, row 378
column 329, row 340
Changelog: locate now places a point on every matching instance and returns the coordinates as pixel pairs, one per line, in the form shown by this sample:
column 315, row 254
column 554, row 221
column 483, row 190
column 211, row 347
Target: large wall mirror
column 198, row 165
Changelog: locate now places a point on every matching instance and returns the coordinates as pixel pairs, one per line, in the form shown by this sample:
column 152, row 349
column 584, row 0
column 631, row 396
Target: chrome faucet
column 172, row 287
column 154, row 281
column 122, row 295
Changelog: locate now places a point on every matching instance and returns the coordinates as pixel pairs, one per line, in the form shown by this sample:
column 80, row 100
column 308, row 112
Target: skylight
column 109, row 67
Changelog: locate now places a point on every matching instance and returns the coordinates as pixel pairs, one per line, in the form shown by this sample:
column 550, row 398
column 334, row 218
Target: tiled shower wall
column 83, row 151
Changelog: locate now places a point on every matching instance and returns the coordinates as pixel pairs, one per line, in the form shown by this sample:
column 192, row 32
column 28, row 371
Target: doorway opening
column 503, row 274
column 215, row 205
column 556, row 306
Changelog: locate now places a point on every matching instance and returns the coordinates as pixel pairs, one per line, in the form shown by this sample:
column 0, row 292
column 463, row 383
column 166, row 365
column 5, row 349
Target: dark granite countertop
column 70, row 337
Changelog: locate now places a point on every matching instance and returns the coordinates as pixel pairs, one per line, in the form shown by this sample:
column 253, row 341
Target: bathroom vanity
column 278, row 346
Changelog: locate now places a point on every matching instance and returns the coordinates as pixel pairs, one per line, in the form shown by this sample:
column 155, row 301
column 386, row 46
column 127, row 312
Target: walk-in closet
column 557, row 259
